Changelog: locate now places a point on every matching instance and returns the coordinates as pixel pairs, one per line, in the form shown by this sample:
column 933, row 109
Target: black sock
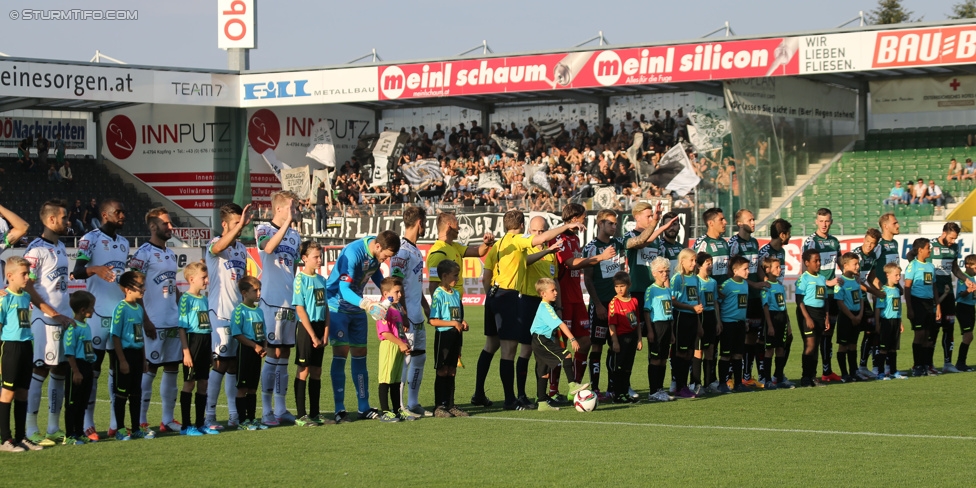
column 787, row 345
column 252, row 406
column 737, row 372
column 780, row 364
column 931, row 355
column 852, row 361
column 826, row 352
column 767, row 367
column 135, row 407
column 20, row 419
column 484, row 365
column 299, row 387
column 696, row 363
column 200, row 402
column 594, row 365
column 893, row 361
column 947, row 348
column 451, row 384
column 241, row 404
column 916, row 355
column 5, row 422
column 707, row 372
column 186, row 400
column 842, row 362
column 659, row 377
column 724, row 366
column 809, row 366
column 439, row 391
column 395, row 397
column 747, row 361
column 506, row 370
column 865, row 350
column 385, row 397
column 679, row 371
column 963, row 353
column 521, row 374
column 119, row 408
column 541, row 384
column 314, row 394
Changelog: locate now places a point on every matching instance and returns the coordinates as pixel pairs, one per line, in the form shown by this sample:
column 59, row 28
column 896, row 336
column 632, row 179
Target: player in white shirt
column 226, row 259
column 278, row 250
column 408, row 264
column 51, row 316
column 12, row 228
column 160, row 309
column 102, row 255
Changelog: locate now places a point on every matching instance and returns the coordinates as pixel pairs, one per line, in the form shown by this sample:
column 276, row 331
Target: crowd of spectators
column 917, row 193
column 575, row 160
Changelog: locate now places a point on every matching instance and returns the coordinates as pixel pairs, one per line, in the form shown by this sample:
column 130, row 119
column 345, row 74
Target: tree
column 964, row 10
column 891, row 12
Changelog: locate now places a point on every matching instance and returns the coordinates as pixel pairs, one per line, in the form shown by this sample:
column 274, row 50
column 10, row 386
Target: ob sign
column 236, row 24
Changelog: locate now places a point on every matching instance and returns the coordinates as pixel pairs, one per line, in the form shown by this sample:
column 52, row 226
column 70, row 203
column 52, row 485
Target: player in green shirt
column 713, row 242
column 945, row 257
column 668, row 245
column 829, row 249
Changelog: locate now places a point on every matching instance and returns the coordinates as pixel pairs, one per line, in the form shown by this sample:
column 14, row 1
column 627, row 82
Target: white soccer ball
column 585, row 401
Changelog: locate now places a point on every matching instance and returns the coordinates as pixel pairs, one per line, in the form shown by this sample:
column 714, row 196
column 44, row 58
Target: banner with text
column 74, row 132
column 790, row 97
column 934, row 94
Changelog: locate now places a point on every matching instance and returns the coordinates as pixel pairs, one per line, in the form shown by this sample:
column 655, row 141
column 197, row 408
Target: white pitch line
column 723, row 427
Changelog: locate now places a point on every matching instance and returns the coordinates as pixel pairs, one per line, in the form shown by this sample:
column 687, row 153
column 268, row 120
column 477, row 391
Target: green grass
column 867, row 433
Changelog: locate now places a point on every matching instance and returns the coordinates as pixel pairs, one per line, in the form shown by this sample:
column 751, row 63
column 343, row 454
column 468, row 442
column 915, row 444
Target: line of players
column 103, row 257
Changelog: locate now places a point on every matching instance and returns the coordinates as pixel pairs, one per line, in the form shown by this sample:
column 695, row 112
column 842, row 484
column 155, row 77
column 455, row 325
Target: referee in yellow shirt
column 510, row 277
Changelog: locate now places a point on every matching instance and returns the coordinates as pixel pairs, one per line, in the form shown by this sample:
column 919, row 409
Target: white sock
column 404, row 387
column 33, row 403
column 281, row 387
column 230, row 389
column 55, row 400
column 113, row 423
column 213, row 393
column 415, row 375
column 147, row 382
column 167, row 393
column 267, row 385
column 90, row 411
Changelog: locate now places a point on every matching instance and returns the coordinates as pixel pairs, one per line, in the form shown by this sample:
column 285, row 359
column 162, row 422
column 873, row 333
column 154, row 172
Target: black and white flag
column 510, row 146
column 550, row 129
column 422, row 173
column 674, row 172
column 489, row 180
column 375, row 151
column 535, row 177
column 320, row 146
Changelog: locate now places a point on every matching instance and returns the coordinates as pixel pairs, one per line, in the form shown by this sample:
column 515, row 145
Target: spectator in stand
column 23, row 154
column 896, row 196
column 67, row 177
column 322, row 200
column 52, row 173
column 92, row 214
column 933, row 195
column 75, row 218
column 955, row 170
column 919, row 192
column 681, row 125
column 43, row 148
column 59, row 149
column 969, row 172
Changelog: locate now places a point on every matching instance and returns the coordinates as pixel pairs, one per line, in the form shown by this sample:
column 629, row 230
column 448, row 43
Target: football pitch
column 918, row 431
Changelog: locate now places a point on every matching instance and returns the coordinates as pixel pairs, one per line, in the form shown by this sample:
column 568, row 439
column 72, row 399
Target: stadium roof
column 846, row 56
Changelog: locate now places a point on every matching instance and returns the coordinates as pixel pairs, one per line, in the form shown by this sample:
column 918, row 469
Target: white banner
column 309, row 87
column 320, row 176
column 934, row 94
column 790, row 97
column 707, row 128
column 297, row 180
column 175, row 149
column 320, row 146
column 381, row 157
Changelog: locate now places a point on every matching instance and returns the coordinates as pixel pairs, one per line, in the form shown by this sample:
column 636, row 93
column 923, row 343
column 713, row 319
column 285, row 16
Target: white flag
column 385, row 147
column 423, row 173
column 320, row 147
column 272, row 160
column 535, row 177
column 686, row 180
column 320, row 176
column 297, row 180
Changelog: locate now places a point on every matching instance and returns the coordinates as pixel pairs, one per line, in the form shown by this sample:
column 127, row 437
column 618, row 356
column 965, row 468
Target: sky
column 312, row 33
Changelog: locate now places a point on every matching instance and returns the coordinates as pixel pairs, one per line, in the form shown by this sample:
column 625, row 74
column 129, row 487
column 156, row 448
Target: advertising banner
column 308, row 87
column 934, row 94
column 790, row 97
column 74, row 132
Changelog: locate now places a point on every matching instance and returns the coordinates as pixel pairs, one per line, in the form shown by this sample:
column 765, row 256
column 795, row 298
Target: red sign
column 590, row 69
column 925, row 47
column 188, row 233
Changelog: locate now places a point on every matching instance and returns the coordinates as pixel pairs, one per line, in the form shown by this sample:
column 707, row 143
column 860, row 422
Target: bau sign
column 275, row 89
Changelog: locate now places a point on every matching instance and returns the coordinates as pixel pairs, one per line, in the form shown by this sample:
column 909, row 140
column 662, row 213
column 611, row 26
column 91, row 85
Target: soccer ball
column 585, row 401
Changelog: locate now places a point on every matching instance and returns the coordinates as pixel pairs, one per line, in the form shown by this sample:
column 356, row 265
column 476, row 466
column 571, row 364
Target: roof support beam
column 19, row 104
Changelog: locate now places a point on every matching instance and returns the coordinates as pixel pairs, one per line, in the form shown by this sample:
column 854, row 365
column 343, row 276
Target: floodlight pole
column 99, row 57
column 483, row 46
column 727, row 28
column 376, row 57
column 599, row 37
column 860, row 18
